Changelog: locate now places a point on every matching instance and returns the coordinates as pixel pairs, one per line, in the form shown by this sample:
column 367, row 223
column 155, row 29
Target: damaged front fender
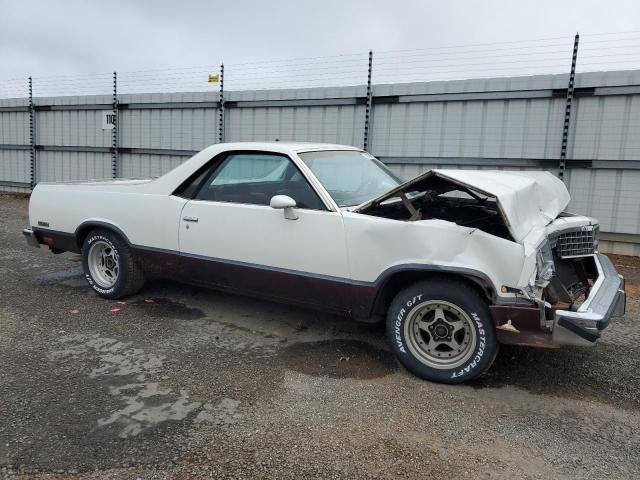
column 375, row 244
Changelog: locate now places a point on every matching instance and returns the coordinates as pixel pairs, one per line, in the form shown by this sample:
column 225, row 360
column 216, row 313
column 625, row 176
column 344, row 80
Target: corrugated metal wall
column 14, row 130
column 512, row 133
column 503, row 123
column 530, row 128
column 14, row 168
column 154, row 128
column 168, row 128
column 147, row 166
column 252, row 121
column 327, row 124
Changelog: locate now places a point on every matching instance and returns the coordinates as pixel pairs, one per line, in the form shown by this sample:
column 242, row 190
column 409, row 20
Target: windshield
column 350, row 177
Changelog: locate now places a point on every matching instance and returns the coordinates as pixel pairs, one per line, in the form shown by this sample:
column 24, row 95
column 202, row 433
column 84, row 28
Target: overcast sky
column 72, row 37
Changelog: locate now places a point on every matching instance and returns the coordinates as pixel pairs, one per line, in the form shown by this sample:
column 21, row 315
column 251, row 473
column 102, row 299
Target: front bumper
column 31, row 238
column 606, row 300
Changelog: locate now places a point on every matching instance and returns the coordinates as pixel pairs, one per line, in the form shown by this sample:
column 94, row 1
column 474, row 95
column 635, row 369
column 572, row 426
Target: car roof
column 290, row 147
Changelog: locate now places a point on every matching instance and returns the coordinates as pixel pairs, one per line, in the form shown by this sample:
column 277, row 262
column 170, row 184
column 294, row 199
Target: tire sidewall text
column 481, row 357
column 93, row 238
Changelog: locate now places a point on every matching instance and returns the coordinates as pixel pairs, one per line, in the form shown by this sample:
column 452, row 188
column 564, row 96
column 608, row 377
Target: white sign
column 108, row 119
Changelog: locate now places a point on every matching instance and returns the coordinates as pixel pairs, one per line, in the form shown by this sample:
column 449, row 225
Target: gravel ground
column 184, row 383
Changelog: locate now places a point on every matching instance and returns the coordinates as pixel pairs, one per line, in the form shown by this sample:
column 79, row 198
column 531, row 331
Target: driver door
column 230, row 237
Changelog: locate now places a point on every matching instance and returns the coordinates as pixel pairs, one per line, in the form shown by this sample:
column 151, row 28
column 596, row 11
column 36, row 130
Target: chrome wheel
column 440, row 334
column 104, row 264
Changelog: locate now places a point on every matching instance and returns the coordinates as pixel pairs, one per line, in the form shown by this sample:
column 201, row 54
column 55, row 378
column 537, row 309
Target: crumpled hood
column 527, row 199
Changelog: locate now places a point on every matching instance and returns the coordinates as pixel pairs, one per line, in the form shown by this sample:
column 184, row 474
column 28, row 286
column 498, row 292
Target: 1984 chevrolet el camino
column 457, row 261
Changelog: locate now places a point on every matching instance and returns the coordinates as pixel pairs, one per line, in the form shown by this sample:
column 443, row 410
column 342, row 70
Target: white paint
column 336, row 243
column 261, row 235
column 528, row 200
column 375, row 244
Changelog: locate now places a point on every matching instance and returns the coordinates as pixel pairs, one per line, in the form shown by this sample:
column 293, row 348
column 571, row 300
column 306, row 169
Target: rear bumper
column 57, row 241
column 606, row 301
column 31, row 238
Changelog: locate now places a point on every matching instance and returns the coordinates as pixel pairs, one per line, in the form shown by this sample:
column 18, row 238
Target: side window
column 254, row 178
column 248, row 168
column 189, row 188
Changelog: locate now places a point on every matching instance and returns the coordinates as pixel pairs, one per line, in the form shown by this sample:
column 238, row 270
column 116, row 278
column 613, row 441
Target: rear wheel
column 441, row 330
column 109, row 266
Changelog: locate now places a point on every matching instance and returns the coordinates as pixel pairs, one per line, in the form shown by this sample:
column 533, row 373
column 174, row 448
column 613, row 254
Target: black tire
column 129, row 278
column 418, row 348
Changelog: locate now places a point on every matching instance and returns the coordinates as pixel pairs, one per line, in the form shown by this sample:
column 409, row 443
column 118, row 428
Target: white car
column 458, row 261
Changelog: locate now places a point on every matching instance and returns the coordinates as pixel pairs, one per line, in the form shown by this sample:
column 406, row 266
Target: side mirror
column 287, row 203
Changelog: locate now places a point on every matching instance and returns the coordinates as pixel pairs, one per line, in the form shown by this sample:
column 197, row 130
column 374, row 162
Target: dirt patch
column 629, row 267
column 338, row 359
column 17, row 195
column 573, row 373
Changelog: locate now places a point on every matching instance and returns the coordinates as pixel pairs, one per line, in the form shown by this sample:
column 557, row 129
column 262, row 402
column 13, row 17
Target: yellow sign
column 214, row 78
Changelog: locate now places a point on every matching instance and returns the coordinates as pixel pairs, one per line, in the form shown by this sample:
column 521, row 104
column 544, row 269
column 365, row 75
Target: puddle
column 338, row 359
column 166, row 308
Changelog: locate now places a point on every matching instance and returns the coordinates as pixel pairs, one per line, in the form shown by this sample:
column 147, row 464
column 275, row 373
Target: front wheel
column 109, row 266
column 441, row 330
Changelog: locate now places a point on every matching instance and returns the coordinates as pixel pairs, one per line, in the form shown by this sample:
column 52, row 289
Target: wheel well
column 84, row 230
column 81, row 234
column 402, row 280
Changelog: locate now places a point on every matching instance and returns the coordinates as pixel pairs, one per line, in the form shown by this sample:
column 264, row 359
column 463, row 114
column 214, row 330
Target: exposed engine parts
column 444, row 200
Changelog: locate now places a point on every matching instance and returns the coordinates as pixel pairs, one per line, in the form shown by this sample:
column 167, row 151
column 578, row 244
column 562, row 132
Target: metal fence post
column 114, row 131
column 567, row 110
column 32, row 137
column 221, row 107
column 367, row 110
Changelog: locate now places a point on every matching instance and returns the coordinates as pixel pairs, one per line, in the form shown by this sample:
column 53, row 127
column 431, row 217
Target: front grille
column 576, row 242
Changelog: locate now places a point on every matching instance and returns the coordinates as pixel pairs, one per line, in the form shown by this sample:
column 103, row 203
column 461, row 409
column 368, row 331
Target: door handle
column 190, row 219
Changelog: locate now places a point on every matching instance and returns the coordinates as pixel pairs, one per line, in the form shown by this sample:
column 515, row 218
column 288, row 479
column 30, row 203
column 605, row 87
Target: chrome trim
column 607, row 300
column 575, row 242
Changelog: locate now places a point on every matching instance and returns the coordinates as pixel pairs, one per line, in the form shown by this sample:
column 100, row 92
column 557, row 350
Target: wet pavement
column 181, row 383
